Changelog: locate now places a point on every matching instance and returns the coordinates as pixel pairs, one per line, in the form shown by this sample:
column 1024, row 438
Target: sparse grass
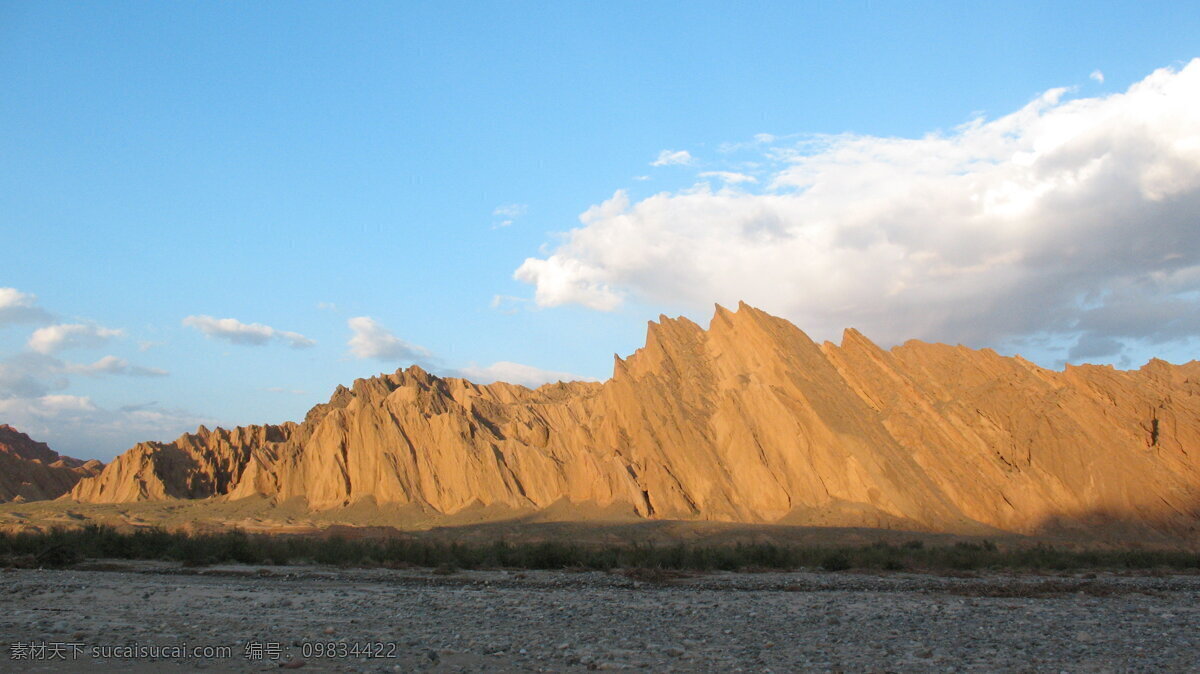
column 67, row 547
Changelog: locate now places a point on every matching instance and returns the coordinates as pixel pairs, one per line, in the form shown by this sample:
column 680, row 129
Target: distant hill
column 749, row 421
column 31, row 471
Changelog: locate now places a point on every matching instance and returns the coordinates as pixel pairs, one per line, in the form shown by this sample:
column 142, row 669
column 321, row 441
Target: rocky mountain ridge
column 747, row 421
column 31, row 471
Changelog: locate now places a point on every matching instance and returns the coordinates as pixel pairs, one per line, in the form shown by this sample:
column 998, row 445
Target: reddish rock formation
column 31, row 471
column 748, row 421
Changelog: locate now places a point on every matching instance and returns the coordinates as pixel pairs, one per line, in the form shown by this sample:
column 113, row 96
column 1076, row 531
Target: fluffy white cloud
column 372, row 340
column 76, row 426
column 672, row 158
column 515, row 373
column 563, row 279
column 1070, row 217
column 54, row 338
column 19, row 307
column 1098, row 76
column 248, row 334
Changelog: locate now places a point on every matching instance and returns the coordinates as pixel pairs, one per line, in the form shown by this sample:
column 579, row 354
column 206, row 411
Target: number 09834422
column 342, row 649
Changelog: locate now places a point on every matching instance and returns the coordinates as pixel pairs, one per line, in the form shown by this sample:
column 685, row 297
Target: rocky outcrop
column 31, row 471
column 197, row 465
column 747, row 421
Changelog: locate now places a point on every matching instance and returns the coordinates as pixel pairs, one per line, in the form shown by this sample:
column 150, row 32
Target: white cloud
column 114, row 365
column 507, row 214
column 53, row 338
column 515, row 373
column 19, row 307
column 372, row 340
column 1071, row 217
column 511, row 210
column 77, row 426
column 48, row 405
column 729, row 177
column 249, row 334
column 32, row 384
column 672, row 158
column 31, row 399
column 564, row 280
column 30, row 375
column 507, row 304
column 755, row 144
column 1098, row 76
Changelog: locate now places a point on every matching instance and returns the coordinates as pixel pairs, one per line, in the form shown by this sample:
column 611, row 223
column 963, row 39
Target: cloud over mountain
column 372, row 340
column 1069, row 217
column 34, row 381
column 78, row 425
column 515, row 373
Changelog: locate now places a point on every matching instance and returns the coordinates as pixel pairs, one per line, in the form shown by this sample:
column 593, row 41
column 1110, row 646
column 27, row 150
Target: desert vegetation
column 67, row 547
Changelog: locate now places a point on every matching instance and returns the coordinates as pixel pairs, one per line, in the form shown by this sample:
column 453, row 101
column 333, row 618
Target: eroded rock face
column 747, row 421
column 31, row 471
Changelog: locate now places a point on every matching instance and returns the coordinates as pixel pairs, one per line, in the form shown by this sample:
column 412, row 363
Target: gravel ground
column 330, row 620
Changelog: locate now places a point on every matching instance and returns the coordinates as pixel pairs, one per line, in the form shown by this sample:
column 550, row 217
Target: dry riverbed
column 235, row 618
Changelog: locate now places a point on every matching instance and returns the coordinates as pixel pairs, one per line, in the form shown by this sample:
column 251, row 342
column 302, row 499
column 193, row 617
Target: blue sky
column 298, row 166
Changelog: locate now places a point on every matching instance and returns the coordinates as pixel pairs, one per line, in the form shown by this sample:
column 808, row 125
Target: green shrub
column 66, row 547
column 836, row 561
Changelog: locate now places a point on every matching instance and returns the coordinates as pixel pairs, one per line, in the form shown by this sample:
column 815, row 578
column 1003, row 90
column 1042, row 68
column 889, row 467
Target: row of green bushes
column 66, row 547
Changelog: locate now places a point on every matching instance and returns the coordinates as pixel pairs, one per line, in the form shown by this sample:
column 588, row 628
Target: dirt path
column 379, row 620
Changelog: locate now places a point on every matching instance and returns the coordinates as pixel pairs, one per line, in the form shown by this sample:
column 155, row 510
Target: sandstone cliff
column 747, row 421
column 31, row 471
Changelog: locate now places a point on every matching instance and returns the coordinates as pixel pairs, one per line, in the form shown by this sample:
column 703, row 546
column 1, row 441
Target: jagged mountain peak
column 747, row 420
